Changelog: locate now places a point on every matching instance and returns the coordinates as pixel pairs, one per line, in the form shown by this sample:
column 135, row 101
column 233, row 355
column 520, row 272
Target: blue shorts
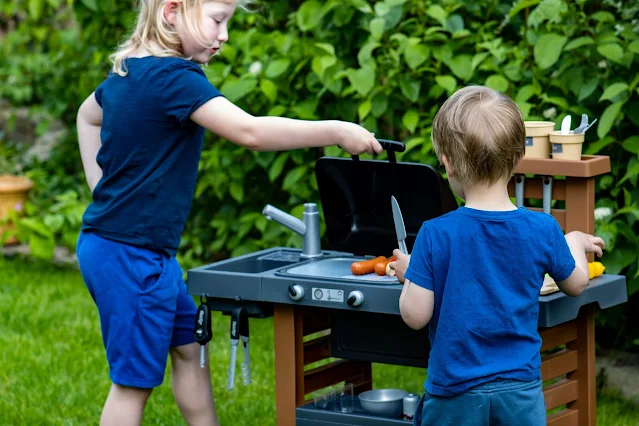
column 143, row 306
column 496, row 403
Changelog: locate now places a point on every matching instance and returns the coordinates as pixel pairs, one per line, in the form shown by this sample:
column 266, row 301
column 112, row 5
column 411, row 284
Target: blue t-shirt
column 150, row 152
column 486, row 269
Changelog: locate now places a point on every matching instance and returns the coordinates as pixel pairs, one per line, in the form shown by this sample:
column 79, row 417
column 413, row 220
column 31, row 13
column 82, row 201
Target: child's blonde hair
column 481, row 132
column 151, row 25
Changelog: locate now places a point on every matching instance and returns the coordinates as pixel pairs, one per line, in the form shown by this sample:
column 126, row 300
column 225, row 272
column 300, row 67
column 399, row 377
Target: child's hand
column 356, row 140
column 590, row 243
column 400, row 265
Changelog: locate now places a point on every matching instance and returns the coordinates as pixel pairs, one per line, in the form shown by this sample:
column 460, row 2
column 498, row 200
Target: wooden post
column 580, row 216
column 289, row 365
column 578, row 191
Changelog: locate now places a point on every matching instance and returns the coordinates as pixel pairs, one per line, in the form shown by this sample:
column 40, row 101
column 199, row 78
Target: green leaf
column 630, row 173
column 634, row 46
column 326, row 48
column 596, row 147
column 612, row 51
column 415, row 55
column 437, row 13
column 362, row 79
column 91, row 4
column 410, row 89
column 376, row 27
column 365, row 55
column 277, row 111
column 521, row 5
column 309, row 15
column 548, row 49
column 497, row 82
column 269, row 89
column 410, row 120
column 548, row 10
column 379, row 104
column 461, row 66
column 364, row 109
column 235, row 90
column 608, row 119
column 478, row 59
column 277, row 166
column 526, row 92
column 631, row 144
column 588, row 88
column 237, row 191
column 448, row 82
column 294, row 176
column 277, row 67
column 35, row 9
column 320, row 64
column 613, row 90
column 579, row 42
column 455, row 24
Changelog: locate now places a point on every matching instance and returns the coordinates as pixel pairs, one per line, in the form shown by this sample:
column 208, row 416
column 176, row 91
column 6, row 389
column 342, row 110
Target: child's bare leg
column 124, row 406
column 192, row 386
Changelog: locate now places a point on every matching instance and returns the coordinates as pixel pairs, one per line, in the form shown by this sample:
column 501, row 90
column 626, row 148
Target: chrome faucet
column 309, row 228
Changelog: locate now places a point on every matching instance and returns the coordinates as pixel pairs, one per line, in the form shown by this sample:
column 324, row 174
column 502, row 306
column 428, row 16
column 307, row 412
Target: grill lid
column 356, row 200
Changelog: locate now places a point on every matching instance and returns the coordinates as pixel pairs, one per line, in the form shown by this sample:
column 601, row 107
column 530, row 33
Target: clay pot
column 14, row 191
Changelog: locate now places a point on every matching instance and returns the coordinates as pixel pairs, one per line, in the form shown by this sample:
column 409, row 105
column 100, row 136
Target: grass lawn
column 53, row 370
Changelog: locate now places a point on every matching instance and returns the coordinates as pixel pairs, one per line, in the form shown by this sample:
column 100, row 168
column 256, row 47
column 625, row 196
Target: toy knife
column 400, row 229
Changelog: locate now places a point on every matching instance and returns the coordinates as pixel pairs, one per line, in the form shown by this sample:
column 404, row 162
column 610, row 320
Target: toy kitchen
column 322, row 311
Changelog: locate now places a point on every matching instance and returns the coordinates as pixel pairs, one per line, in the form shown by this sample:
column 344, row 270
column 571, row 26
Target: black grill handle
column 391, row 148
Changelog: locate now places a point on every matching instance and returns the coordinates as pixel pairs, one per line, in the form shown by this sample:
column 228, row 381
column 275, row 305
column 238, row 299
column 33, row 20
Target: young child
column 474, row 274
column 140, row 136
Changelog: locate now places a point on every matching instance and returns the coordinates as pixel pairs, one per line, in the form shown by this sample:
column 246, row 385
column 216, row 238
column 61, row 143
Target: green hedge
column 386, row 64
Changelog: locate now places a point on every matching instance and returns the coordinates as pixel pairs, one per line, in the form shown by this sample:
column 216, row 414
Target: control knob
column 355, row 298
column 296, row 292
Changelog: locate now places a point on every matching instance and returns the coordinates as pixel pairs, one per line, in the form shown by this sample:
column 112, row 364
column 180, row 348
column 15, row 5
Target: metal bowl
column 383, row 402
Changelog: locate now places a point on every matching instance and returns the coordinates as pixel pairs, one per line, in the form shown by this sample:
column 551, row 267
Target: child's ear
column 170, row 12
column 449, row 171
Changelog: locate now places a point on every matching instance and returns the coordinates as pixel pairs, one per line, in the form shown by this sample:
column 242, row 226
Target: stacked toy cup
column 537, row 138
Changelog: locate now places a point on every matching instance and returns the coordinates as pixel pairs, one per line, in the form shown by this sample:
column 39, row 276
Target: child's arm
column 416, row 305
column 580, row 244
column 223, row 118
column 89, row 120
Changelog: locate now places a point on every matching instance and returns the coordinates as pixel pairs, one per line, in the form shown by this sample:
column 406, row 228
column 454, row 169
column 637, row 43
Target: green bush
column 386, row 64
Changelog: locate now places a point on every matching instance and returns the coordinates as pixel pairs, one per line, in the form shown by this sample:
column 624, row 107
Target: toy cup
column 537, row 141
column 566, row 147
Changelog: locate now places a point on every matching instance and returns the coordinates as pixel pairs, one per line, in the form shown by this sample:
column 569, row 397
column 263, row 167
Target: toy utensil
column 586, row 129
column 565, row 125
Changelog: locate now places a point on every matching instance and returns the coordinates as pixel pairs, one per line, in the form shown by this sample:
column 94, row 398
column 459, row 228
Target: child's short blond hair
column 481, row 132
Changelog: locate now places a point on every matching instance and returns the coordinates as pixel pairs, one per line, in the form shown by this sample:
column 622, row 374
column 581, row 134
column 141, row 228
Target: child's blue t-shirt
column 150, row 152
column 486, row 269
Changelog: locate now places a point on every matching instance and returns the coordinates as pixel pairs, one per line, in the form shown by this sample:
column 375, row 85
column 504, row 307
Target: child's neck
column 489, row 197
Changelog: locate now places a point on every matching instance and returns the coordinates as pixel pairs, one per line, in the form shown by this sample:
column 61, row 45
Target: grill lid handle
column 391, row 148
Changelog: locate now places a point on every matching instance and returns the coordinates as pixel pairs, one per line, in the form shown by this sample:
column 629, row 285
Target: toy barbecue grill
column 312, row 289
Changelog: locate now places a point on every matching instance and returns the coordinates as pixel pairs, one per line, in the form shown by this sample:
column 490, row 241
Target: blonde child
column 474, row 274
column 140, row 136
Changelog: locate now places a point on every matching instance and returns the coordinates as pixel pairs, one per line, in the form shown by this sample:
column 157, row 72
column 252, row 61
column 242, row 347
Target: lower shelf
column 308, row 415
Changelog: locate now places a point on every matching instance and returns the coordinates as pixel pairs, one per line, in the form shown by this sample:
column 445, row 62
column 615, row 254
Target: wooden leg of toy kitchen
column 289, row 365
column 586, row 372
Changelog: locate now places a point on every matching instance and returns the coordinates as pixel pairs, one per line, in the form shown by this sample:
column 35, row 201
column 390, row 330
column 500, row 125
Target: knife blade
column 400, row 229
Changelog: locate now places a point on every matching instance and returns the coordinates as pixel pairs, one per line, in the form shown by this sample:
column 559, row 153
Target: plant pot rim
column 13, row 183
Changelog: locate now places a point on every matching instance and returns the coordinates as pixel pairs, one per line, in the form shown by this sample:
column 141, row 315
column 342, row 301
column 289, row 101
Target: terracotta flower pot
column 13, row 197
